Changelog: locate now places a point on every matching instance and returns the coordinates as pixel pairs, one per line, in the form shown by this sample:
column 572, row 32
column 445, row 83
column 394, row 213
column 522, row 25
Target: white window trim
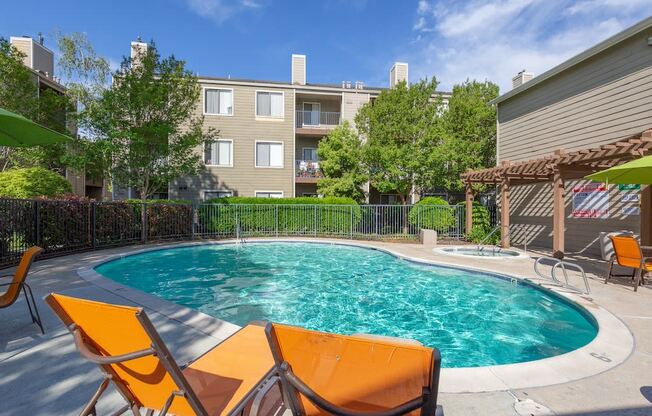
column 269, row 167
column 282, row 117
column 203, row 192
column 217, row 88
column 230, row 165
column 269, row 192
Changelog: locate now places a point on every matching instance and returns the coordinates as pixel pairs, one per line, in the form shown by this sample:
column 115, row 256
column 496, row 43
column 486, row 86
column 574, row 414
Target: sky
column 355, row 40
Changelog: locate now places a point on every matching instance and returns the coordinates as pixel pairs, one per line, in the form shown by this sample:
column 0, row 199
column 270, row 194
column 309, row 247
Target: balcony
column 307, row 171
column 316, row 122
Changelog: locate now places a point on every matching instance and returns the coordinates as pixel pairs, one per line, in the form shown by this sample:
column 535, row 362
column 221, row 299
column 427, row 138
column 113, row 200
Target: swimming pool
column 474, row 318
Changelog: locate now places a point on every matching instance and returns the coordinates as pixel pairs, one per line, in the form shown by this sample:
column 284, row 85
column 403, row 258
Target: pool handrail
column 557, row 263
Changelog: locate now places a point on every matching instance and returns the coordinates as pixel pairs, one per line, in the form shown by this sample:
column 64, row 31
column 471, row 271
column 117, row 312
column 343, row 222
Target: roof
column 582, row 162
column 600, row 47
column 307, row 85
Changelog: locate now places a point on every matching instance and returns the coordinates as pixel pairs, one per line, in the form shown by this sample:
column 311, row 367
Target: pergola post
column 504, row 212
column 646, row 216
column 469, row 208
column 558, row 212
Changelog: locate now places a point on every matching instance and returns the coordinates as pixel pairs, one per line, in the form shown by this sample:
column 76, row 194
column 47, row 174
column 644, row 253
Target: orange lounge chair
column 229, row 379
column 18, row 283
column 328, row 374
column 628, row 253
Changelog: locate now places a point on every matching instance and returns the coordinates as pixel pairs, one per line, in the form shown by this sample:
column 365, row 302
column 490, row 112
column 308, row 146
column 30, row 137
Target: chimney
column 521, row 78
column 138, row 48
column 37, row 56
column 398, row 73
column 299, row 69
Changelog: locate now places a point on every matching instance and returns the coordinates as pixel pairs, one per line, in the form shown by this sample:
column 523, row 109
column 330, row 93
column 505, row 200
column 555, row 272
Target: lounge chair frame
column 638, row 274
column 292, row 386
column 159, row 349
column 25, row 288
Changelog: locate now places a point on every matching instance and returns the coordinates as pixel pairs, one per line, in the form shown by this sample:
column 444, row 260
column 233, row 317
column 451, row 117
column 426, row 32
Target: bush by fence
column 433, row 213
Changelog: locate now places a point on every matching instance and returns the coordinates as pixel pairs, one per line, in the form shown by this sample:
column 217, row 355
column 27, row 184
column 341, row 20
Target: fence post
column 93, row 224
column 143, row 219
column 315, row 220
column 192, row 221
column 37, row 222
column 276, row 219
column 351, row 222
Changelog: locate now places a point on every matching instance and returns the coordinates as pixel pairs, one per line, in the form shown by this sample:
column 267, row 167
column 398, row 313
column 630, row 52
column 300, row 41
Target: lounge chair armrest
column 101, row 359
column 333, row 409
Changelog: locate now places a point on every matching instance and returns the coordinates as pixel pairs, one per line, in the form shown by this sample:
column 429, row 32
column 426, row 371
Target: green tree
column 340, row 160
column 146, row 126
column 32, row 182
column 401, row 127
column 470, row 133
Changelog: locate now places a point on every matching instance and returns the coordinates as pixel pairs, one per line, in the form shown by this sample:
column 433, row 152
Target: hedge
column 330, row 215
column 481, row 224
column 432, row 213
column 32, row 182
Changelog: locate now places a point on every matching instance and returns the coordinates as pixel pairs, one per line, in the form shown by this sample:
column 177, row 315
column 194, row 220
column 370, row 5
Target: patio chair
column 18, row 283
column 628, row 254
column 230, row 379
column 328, row 374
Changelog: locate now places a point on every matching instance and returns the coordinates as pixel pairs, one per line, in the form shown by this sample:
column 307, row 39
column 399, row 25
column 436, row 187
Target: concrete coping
column 612, row 345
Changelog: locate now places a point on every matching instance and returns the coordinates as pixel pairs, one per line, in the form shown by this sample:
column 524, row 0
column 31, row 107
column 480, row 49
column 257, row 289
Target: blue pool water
column 474, row 318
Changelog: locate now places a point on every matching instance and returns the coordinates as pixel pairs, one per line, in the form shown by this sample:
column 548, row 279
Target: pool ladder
column 563, row 265
column 239, row 239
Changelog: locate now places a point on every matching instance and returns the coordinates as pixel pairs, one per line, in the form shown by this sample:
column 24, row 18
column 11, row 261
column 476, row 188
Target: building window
column 218, row 101
column 216, row 194
column 269, row 104
column 269, row 154
column 219, row 153
column 389, row 199
column 269, row 194
column 310, row 154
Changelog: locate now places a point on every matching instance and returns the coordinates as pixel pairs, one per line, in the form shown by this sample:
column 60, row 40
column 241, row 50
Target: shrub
column 432, row 213
column 32, row 182
column 166, row 218
column 330, row 215
column 481, row 224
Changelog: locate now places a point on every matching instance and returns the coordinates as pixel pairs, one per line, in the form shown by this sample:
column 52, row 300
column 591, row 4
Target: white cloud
column 222, row 10
column 494, row 39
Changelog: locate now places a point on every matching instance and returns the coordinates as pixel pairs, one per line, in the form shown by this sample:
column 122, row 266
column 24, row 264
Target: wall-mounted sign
column 590, row 200
column 630, row 198
column 628, row 187
column 631, row 211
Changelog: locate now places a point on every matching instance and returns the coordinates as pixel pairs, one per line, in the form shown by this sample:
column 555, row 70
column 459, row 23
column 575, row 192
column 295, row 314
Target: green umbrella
column 637, row 171
column 17, row 131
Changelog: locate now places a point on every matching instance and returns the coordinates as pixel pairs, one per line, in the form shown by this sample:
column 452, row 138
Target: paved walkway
column 44, row 375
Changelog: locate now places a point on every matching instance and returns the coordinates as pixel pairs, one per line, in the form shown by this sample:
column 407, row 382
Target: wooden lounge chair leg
column 639, row 277
column 609, row 271
column 89, row 409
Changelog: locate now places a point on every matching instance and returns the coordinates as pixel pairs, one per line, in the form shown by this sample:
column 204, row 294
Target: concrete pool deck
column 43, row 374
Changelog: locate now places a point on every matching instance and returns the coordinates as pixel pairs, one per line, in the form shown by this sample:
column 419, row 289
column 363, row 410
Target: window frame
column 230, row 165
column 203, row 193
column 303, row 154
column 282, row 143
column 204, row 89
column 282, row 193
column 270, row 117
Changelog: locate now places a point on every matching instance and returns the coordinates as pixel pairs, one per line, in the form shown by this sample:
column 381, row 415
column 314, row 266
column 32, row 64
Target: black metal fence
column 62, row 226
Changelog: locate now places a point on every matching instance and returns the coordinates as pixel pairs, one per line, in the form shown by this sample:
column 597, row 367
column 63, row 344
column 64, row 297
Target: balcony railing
column 317, row 119
column 308, row 169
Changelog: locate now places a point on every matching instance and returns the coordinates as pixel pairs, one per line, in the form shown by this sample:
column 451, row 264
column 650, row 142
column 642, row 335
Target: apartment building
column 40, row 60
column 269, row 133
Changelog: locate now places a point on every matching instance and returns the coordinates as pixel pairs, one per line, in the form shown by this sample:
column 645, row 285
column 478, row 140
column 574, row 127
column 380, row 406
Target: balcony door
column 311, row 114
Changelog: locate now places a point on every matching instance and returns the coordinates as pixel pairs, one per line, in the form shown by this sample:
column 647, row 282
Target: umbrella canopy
column 17, row 131
column 637, row 171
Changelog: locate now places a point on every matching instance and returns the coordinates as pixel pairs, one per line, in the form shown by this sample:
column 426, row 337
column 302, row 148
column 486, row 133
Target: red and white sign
column 590, row 200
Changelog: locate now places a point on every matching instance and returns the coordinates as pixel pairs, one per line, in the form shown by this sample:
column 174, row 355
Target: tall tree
column 148, row 125
column 340, row 160
column 470, row 126
column 400, row 127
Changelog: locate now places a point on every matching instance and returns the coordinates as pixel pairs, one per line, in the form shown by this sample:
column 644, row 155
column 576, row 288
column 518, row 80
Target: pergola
column 557, row 168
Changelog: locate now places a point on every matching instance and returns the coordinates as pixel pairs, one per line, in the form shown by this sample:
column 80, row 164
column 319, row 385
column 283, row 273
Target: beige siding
column 601, row 100
column 244, row 128
column 299, row 69
column 351, row 103
column 24, row 46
